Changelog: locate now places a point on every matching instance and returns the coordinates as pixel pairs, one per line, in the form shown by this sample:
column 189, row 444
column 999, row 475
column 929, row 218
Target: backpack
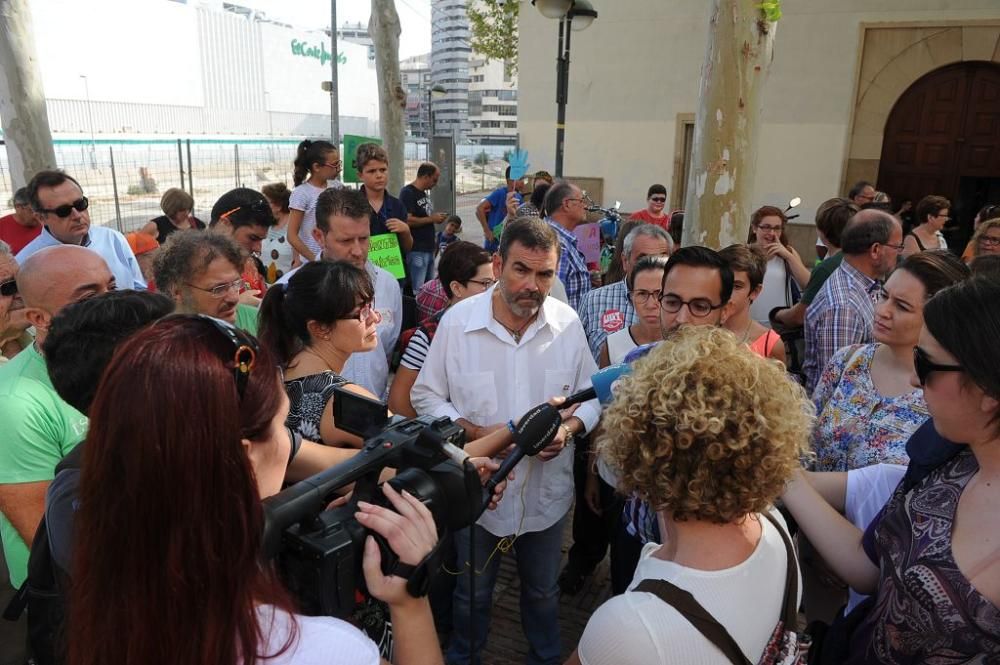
column 43, row 593
column 786, row 646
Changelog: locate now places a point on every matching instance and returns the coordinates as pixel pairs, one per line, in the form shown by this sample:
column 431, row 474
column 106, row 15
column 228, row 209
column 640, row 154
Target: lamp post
column 436, row 90
column 565, row 11
column 90, row 121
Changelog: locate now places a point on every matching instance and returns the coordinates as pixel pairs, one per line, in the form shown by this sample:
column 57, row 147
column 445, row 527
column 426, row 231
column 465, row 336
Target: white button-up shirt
column 475, row 370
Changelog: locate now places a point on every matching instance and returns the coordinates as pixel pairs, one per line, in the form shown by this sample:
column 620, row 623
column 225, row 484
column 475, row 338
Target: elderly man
column 608, row 309
column 844, row 309
column 343, row 231
column 62, row 209
column 493, row 357
column 38, row 427
column 20, row 227
column 421, row 218
column 200, row 272
column 13, row 338
column 566, row 209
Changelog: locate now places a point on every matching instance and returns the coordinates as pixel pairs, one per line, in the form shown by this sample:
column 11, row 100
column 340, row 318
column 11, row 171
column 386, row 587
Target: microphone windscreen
column 537, row 428
column 604, row 381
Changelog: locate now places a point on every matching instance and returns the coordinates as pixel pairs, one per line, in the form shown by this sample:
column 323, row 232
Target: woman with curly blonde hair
column 708, row 433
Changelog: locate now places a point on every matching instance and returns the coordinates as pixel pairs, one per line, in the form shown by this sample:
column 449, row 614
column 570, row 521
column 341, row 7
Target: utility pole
column 23, row 115
column 334, row 101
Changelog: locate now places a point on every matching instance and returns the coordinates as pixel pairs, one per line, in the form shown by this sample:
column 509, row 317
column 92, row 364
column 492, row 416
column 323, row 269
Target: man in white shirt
column 493, row 357
column 342, row 230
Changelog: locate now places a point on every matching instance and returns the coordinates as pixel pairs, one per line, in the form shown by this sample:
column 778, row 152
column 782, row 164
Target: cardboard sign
column 588, row 241
column 385, row 253
column 351, row 144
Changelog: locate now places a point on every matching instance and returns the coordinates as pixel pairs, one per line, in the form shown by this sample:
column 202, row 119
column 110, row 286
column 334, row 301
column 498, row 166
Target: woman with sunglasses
column 932, row 214
column 786, row 274
column 316, row 163
column 169, row 531
column 930, row 558
column 866, row 407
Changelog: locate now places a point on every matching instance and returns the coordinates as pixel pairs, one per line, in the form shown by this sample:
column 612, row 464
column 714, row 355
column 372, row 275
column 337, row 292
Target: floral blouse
column 307, row 397
column 857, row 426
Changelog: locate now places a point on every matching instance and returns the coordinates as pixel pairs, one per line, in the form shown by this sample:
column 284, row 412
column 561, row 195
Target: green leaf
column 771, row 9
column 494, row 31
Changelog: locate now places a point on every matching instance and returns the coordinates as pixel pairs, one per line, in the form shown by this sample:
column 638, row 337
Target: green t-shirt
column 246, row 318
column 819, row 275
column 39, row 429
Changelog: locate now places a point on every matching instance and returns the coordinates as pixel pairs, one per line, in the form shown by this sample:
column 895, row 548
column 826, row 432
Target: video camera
column 319, row 550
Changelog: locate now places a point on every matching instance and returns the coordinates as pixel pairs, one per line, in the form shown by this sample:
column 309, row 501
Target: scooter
column 609, row 225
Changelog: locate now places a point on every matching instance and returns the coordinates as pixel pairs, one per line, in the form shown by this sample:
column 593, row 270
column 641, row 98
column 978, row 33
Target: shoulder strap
column 790, row 605
column 707, row 625
column 917, row 239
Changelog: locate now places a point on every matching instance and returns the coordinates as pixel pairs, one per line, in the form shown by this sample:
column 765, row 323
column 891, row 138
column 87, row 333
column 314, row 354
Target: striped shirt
column 573, row 269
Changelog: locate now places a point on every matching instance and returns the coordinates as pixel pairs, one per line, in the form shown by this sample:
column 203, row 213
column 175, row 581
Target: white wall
column 638, row 66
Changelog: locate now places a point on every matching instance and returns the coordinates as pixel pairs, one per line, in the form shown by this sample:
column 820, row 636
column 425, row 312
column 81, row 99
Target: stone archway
column 894, row 57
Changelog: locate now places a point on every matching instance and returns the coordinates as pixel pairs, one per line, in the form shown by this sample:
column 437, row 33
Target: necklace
column 518, row 332
column 746, row 333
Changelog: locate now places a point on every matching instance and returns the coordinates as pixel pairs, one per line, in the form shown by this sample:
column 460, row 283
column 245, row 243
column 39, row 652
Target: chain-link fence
column 124, row 179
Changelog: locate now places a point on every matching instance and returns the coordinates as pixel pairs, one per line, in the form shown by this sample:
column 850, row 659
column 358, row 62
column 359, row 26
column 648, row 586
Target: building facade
column 450, row 54
column 905, row 93
column 492, row 103
column 415, row 75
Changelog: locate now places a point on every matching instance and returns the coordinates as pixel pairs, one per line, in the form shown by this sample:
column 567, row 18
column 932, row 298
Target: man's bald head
column 56, row 276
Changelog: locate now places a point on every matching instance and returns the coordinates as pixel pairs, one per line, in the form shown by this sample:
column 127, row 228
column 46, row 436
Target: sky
column 414, row 17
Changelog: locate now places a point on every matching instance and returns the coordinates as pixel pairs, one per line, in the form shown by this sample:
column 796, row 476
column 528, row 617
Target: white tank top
column 619, row 344
column 774, row 293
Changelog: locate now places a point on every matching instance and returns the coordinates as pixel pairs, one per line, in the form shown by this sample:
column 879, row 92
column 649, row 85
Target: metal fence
column 124, row 179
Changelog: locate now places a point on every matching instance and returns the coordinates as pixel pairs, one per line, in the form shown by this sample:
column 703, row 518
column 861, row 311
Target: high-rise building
column 450, row 53
column 415, row 75
column 492, row 103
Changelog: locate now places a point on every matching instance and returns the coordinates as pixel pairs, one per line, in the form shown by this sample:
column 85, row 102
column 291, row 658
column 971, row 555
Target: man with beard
column 493, row 357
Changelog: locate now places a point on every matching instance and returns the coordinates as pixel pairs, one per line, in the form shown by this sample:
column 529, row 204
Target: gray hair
column 21, row 197
column 558, row 192
column 866, row 228
column 5, row 249
column 187, row 254
column 650, row 231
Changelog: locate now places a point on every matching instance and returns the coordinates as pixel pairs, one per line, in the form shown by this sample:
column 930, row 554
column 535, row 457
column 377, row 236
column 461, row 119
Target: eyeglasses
column 244, row 353
column 698, row 307
column 485, row 283
column 768, row 228
column 335, row 165
column 641, row 297
column 258, row 207
column 989, row 241
column 658, row 199
column 898, row 248
column 923, row 366
column 220, row 290
column 67, row 209
column 8, row 288
column 580, row 199
column 366, row 312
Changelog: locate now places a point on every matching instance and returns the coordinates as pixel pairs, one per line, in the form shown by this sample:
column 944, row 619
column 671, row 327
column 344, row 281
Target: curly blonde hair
column 704, row 429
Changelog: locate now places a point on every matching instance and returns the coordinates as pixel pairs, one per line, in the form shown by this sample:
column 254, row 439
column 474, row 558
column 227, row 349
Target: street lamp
column 565, row 11
column 90, row 121
column 437, row 90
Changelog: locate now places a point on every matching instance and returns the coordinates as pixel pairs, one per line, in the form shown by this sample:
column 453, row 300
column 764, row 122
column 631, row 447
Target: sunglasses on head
column 8, row 288
column 257, row 207
column 923, row 365
column 244, row 351
column 67, row 209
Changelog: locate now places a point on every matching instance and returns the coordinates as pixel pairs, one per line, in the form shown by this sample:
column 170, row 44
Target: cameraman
column 169, row 522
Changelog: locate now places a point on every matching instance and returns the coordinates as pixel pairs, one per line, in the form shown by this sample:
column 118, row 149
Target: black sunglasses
column 67, row 209
column 259, row 207
column 8, row 288
column 923, row 366
column 244, row 353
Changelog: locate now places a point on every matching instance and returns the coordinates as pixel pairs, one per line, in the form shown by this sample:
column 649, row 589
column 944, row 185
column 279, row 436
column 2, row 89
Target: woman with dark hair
column 748, row 265
column 643, row 285
column 932, row 214
column 930, row 558
column 786, row 274
column 170, row 523
column 316, row 163
column 312, row 325
column 866, row 407
column 465, row 270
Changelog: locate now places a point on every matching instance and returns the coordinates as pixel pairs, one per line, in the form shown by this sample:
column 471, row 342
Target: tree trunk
column 384, row 28
column 724, row 154
column 24, row 117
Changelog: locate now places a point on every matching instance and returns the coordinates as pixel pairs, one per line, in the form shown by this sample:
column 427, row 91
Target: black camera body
column 319, row 550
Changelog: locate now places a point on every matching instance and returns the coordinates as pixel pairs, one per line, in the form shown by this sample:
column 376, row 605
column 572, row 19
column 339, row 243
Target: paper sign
column 351, row 144
column 588, row 241
column 384, row 252
column 518, row 164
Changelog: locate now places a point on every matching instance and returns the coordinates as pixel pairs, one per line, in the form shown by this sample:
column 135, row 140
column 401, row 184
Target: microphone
column 603, row 385
column 533, row 432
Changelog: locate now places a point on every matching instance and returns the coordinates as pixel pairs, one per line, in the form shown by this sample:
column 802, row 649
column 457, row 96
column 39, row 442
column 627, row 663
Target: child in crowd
column 452, row 227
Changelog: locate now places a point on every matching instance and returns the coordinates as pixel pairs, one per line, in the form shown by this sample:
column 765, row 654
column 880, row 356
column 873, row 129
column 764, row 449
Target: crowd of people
column 156, row 387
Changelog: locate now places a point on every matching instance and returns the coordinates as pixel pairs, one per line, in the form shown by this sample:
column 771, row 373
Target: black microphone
column 532, row 434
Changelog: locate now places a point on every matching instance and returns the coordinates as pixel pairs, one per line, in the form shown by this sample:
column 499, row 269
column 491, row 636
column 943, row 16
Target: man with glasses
column 863, row 192
column 244, row 216
column 566, row 209
column 656, row 201
column 20, row 227
column 62, row 209
column 843, row 311
column 200, row 272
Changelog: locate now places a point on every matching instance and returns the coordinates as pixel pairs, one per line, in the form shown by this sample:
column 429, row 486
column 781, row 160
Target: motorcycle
column 609, row 225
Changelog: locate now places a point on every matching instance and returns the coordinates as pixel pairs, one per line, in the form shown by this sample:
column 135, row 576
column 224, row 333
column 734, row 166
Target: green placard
column 385, row 253
column 351, row 143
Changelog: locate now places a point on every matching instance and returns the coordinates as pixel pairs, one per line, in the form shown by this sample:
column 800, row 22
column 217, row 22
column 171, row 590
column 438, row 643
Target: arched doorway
column 943, row 137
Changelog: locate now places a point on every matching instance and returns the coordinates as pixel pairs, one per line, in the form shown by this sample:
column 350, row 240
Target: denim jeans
column 538, row 557
column 420, row 266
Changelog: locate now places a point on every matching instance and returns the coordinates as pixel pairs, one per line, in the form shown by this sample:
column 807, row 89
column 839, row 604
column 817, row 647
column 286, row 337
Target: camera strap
column 418, row 577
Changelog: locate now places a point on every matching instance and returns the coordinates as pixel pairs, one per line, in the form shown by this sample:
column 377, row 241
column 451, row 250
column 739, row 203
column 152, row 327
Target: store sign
column 320, row 52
